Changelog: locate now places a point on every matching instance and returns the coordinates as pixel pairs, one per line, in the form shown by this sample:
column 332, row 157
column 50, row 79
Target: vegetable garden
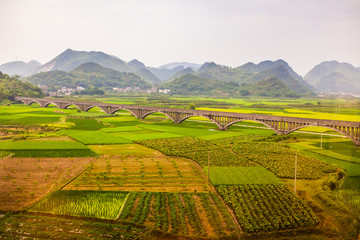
column 267, row 208
column 98, row 204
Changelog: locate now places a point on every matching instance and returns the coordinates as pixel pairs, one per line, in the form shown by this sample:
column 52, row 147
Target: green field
column 46, row 149
column 103, row 204
column 266, row 208
column 150, row 175
column 95, row 137
column 241, row 175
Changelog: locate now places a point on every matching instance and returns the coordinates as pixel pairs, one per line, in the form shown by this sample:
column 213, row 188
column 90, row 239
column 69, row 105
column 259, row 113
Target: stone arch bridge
column 280, row 125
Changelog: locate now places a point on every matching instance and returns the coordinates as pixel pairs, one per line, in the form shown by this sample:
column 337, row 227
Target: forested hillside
column 12, row 86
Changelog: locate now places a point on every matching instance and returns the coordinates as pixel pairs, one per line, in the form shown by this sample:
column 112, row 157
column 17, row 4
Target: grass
column 241, row 175
column 59, row 227
column 339, row 152
column 46, row 149
column 123, row 129
column 148, row 136
column 41, row 145
column 97, row 204
column 96, row 137
column 86, row 124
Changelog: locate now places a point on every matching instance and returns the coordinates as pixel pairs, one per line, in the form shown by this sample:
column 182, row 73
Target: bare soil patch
column 24, row 180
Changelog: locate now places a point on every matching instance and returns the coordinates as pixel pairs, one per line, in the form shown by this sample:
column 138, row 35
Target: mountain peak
column 136, row 64
column 207, row 65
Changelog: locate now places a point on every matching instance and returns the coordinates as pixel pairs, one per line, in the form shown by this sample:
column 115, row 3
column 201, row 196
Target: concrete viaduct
column 280, row 125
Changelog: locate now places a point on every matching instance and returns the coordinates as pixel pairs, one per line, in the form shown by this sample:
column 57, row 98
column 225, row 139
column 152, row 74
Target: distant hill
column 332, row 76
column 173, row 65
column 12, row 86
column 140, row 69
column 71, row 59
column 251, row 73
column 88, row 75
column 270, row 87
column 20, row 68
column 187, row 70
column 164, row 73
column 190, row 84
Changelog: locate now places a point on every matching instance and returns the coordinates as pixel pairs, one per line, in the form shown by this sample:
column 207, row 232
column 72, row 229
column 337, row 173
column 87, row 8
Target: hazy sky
column 229, row 32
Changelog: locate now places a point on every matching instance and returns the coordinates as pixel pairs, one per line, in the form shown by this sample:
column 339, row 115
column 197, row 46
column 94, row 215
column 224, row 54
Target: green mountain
column 20, row 68
column 251, row 73
column 70, row 59
column 190, row 84
column 332, row 76
column 12, row 86
column 140, row 69
column 270, row 87
column 88, row 75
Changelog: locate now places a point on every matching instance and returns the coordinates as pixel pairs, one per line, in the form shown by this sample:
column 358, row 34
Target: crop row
column 241, row 175
column 281, row 160
column 98, row 204
column 178, row 213
column 266, row 208
column 197, row 150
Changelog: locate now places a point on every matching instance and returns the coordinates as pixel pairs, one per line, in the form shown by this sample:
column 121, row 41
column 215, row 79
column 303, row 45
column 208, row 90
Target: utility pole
column 295, row 172
column 208, row 166
column 321, row 140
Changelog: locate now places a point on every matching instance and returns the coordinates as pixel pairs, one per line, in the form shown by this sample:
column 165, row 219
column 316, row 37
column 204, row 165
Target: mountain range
column 247, row 77
column 332, row 76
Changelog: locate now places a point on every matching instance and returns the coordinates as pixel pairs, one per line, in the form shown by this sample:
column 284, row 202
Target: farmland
column 261, row 208
column 133, row 171
column 105, row 205
column 241, row 175
column 115, row 175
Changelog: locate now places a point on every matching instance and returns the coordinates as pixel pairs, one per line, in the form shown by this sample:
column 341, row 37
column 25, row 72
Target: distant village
column 65, row 91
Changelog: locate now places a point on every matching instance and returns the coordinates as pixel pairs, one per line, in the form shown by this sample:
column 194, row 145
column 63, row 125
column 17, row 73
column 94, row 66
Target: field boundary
column 122, row 207
column 213, row 190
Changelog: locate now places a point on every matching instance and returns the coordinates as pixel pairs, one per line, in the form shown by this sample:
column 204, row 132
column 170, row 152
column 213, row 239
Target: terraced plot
column 266, row 208
column 23, row 180
column 46, row 148
column 140, row 171
column 96, row 137
column 241, row 175
column 200, row 215
column 98, row 204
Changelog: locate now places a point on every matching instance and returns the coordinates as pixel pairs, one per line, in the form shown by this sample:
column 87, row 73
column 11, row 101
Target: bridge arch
column 328, row 127
column 261, row 122
column 87, row 108
column 163, row 113
column 33, row 101
column 47, row 104
column 204, row 116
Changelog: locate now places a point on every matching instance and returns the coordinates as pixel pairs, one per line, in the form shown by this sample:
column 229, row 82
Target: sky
column 229, row 32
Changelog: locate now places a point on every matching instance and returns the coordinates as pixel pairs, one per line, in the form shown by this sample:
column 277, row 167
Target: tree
column 192, row 106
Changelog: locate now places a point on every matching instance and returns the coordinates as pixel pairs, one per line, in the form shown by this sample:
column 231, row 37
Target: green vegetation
column 197, row 150
column 95, row 137
column 99, row 204
column 281, row 160
column 241, row 175
column 61, row 227
column 267, row 208
column 86, row 124
column 90, row 76
column 155, row 135
column 179, row 213
column 12, row 86
column 46, row 148
column 190, row 84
